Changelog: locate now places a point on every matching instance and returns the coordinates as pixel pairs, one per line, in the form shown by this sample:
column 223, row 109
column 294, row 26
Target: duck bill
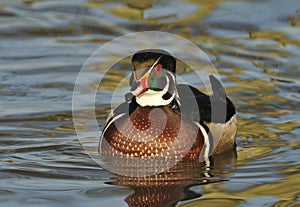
column 142, row 85
column 138, row 87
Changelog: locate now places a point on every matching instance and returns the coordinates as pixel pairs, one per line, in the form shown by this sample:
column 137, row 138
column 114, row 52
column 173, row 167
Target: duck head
column 153, row 80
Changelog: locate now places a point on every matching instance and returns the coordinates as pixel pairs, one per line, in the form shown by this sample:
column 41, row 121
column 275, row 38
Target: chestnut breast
column 152, row 132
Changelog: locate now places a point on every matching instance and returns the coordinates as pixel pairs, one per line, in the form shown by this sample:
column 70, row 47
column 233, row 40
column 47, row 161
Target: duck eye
column 158, row 69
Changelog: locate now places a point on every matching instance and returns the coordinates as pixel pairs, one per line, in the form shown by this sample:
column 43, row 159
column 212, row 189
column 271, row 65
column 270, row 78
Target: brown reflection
column 173, row 185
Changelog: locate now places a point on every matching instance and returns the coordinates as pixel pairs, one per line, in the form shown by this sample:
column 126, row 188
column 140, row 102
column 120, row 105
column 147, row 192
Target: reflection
column 173, row 185
column 294, row 19
column 156, row 11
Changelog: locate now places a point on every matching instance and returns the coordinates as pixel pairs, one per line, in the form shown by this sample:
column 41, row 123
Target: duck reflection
column 170, row 187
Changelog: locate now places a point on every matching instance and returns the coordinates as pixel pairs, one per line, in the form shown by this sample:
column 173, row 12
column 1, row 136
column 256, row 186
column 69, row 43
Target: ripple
column 45, row 43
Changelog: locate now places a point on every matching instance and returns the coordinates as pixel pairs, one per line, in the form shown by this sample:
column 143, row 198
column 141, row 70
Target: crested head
column 146, row 58
column 153, row 81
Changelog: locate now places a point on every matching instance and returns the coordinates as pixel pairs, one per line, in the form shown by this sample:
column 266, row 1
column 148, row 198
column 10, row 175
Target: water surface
column 255, row 47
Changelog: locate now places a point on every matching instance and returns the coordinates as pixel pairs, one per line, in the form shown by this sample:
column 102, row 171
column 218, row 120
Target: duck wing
column 194, row 103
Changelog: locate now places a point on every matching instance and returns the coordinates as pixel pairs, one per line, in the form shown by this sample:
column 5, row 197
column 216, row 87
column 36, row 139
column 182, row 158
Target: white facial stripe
column 149, row 71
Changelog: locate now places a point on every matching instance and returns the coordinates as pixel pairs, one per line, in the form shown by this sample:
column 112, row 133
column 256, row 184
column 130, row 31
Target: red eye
column 158, row 69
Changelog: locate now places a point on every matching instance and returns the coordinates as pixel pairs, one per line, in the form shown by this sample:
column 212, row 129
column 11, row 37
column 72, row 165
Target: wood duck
column 163, row 119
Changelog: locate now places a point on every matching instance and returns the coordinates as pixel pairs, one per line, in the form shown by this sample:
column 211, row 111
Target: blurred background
column 255, row 47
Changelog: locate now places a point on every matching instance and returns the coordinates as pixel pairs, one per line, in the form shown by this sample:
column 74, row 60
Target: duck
column 160, row 118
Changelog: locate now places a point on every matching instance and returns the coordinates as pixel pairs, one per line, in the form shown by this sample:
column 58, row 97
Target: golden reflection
column 266, row 69
column 135, row 10
column 294, row 19
column 275, row 35
column 111, row 80
column 246, row 153
column 286, row 126
column 128, row 11
column 257, row 131
column 286, row 189
column 66, row 127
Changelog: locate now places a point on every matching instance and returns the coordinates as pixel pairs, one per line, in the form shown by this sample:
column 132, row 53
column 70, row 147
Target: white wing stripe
column 206, row 146
column 106, row 127
column 111, row 121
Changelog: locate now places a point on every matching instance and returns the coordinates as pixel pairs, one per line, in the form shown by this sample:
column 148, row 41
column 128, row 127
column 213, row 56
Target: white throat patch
column 155, row 98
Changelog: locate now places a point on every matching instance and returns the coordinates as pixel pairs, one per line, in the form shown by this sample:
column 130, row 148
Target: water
column 255, row 47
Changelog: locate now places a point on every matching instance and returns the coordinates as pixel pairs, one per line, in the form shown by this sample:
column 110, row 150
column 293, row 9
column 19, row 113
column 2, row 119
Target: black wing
column 195, row 103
